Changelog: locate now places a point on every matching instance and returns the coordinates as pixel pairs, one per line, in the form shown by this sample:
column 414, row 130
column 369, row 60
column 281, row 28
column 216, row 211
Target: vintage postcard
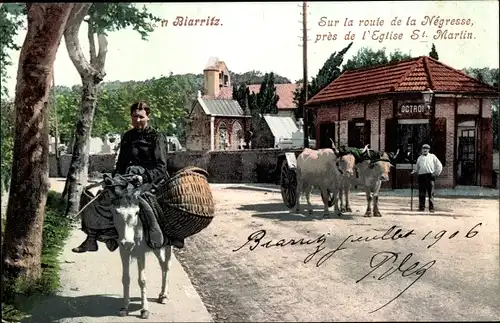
column 262, row 162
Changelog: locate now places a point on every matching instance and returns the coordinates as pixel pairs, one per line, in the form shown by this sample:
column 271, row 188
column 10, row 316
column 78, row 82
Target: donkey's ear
column 107, row 180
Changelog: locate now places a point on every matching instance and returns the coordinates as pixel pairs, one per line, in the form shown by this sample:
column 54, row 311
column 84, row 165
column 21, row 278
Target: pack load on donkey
column 177, row 207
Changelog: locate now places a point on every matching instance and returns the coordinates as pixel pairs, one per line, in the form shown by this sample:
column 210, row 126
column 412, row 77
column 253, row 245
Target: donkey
column 132, row 241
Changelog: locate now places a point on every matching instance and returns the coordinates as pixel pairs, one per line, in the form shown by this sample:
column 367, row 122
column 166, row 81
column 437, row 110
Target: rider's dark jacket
column 141, row 147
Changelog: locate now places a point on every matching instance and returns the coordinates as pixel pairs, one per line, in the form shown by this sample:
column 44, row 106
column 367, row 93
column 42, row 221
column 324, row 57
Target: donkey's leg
column 164, row 256
column 141, row 266
column 125, row 256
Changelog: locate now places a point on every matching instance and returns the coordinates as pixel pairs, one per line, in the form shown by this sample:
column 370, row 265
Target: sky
column 267, row 37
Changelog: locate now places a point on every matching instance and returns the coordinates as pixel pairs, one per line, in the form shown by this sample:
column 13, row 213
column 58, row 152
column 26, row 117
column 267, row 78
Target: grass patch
column 56, row 230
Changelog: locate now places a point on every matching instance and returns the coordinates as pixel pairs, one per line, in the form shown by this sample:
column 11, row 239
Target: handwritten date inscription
column 384, row 263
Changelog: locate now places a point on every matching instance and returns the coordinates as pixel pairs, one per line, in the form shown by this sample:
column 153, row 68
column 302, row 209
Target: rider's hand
column 137, row 180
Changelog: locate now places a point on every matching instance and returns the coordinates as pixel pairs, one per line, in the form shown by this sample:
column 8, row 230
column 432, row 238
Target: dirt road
column 445, row 266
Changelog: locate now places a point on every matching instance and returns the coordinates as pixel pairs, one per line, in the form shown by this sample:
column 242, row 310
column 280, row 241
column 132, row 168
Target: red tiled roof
column 284, row 91
column 416, row 74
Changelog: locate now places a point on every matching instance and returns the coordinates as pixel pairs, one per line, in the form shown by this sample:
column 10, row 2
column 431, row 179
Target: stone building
column 409, row 103
column 216, row 122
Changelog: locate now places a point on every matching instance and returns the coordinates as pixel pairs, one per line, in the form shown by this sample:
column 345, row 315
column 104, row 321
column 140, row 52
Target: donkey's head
column 125, row 197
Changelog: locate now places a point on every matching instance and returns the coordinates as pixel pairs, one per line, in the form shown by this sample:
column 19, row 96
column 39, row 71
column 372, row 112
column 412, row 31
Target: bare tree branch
column 93, row 53
column 103, row 50
column 73, row 43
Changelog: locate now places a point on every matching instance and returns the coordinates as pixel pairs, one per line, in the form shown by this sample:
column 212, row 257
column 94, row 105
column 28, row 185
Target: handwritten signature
column 412, row 270
column 256, row 239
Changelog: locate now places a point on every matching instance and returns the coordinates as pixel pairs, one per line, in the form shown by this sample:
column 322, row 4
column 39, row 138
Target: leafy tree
column 7, row 132
column 241, row 94
column 12, row 19
column 489, row 76
column 367, row 57
column 103, row 18
column 327, row 74
column 22, row 243
column 255, row 77
column 433, row 53
column 12, row 16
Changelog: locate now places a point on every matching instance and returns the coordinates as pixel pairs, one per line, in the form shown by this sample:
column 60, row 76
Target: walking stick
column 411, row 189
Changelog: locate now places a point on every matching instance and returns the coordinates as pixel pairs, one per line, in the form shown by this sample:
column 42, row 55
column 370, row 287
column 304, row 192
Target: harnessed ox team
column 325, row 169
column 333, row 173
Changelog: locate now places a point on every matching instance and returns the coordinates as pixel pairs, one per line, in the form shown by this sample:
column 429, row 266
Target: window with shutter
column 357, row 133
column 368, row 133
column 439, row 140
column 486, row 156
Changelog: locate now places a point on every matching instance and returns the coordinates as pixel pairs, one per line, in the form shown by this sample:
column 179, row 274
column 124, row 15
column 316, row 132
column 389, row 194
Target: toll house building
column 406, row 104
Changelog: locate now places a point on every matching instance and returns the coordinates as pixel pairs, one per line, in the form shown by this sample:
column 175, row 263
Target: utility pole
column 304, row 64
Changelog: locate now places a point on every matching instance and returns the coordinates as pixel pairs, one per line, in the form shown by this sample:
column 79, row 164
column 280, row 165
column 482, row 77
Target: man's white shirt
column 429, row 164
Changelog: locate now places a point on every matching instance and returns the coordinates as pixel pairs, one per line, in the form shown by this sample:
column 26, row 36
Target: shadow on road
column 286, row 216
column 57, row 308
column 264, row 207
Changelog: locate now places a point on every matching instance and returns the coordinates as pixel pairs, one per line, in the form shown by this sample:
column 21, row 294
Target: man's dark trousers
column 425, row 187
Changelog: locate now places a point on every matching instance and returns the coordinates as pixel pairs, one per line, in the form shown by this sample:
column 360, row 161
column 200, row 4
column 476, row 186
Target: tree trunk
column 78, row 170
column 92, row 74
column 29, row 183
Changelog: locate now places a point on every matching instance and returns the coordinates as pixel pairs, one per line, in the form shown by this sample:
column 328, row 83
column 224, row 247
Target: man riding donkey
column 140, row 156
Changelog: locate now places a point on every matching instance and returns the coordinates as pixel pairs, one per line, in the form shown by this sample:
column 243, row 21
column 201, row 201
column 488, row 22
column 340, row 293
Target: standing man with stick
column 428, row 168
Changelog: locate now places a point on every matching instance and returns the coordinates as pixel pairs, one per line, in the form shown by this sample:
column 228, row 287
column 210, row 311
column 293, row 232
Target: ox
column 348, row 161
column 321, row 168
column 371, row 175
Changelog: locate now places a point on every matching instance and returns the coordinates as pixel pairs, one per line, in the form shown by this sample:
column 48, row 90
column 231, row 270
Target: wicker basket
column 187, row 203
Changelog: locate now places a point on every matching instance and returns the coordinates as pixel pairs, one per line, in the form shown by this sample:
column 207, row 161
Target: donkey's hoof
column 123, row 312
column 144, row 314
column 162, row 299
column 339, row 214
column 368, row 215
column 343, row 209
column 348, row 209
column 377, row 214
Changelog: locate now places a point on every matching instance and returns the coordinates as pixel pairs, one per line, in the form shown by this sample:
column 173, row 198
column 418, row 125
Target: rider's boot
column 90, row 244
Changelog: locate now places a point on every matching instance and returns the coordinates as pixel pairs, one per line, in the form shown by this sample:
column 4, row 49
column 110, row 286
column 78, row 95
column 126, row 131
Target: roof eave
column 230, row 116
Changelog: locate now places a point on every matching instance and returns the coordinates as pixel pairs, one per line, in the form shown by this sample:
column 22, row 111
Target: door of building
column 326, row 132
column 467, row 174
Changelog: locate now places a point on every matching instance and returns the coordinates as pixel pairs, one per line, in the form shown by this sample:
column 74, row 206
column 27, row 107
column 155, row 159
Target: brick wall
column 351, row 111
column 372, row 115
column 386, row 112
column 445, row 108
column 239, row 166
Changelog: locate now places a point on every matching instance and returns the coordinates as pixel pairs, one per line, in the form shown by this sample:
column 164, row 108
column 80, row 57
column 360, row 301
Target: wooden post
column 305, row 83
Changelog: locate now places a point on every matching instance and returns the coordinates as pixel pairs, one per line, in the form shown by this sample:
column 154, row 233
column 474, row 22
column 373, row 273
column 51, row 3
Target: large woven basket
column 187, row 203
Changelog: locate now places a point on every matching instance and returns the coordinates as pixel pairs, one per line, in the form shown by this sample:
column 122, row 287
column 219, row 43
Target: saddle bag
column 187, row 203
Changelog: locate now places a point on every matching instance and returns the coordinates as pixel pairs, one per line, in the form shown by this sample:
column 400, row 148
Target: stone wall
column 239, row 166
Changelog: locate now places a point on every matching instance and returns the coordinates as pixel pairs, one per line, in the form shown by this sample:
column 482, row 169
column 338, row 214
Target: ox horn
column 366, row 150
column 335, row 149
column 397, row 153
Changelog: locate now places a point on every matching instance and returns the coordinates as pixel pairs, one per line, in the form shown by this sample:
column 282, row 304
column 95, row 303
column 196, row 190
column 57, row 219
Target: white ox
column 371, row 174
column 322, row 169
